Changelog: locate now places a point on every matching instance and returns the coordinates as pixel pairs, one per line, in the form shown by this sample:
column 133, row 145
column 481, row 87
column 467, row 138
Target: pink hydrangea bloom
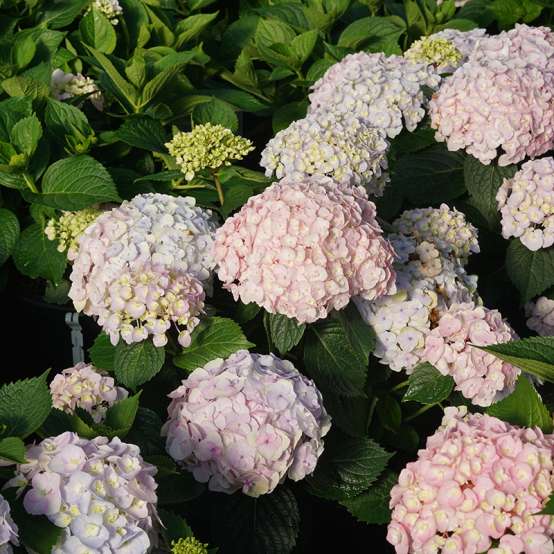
column 479, row 480
column 8, row 528
column 385, row 92
column 526, row 202
column 245, row 423
column 303, row 248
column 451, row 347
column 101, row 492
column 142, row 267
column 501, row 99
column 540, row 316
column 83, row 386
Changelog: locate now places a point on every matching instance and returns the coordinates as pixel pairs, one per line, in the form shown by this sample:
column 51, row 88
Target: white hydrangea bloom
column 67, row 85
column 109, row 8
column 8, row 528
column 458, row 3
column 340, row 147
column 385, row 92
column 526, row 202
column 540, row 314
column 100, row 492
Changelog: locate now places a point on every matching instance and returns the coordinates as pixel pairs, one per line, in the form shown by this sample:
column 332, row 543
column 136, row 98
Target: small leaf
column 121, row 415
column 372, row 506
column 549, row 507
column 303, row 45
column 9, row 233
column 59, row 422
column 217, row 112
column 531, row 272
column 285, row 332
column 25, row 134
column 97, row 31
column 137, row 363
column 190, row 27
column 216, row 337
column 13, row 449
column 102, row 353
column 143, row 132
column 427, row 385
column 523, row 407
column 374, row 34
column 175, row 527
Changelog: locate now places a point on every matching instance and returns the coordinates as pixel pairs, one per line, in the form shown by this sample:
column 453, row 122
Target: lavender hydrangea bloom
column 101, row 492
column 8, row 528
column 540, row 316
column 245, row 423
column 385, row 92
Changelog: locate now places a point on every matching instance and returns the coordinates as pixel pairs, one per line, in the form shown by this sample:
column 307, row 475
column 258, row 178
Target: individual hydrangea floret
column 540, row 316
column 500, row 101
column 385, row 92
column 141, row 268
column 479, row 485
column 190, row 545
column 342, row 148
column 83, row 386
column 452, row 348
column 526, row 202
column 445, row 227
column 100, row 492
column 427, row 284
column 245, row 423
column 67, row 229
column 304, row 248
column 9, row 533
column 67, row 85
column 111, row 9
column 436, row 51
column 207, row 146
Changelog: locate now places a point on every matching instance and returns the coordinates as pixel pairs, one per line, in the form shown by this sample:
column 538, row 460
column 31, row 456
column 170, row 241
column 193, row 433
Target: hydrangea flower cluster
column 67, row 229
column 83, row 386
column 245, row 423
column 303, row 248
column 102, row 493
column 479, row 482
column 501, row 98
column 540, row 316
column 207, row 146
column 111, row 9
column 343, row 148
column 432, row 246
column 451, row 348
column 436, row 51
column 9, row 533
column 464, row 41
column 190, row 545
column 382, row 91
column 526, row 202
column 67, row 85
column 142, row 268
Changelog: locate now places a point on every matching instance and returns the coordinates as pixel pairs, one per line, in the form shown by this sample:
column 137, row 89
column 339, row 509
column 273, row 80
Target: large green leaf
column 102, row 352
column 13, row 449
column 9, row 233
column 97, row 31
column 143, row 132
column 137, row 363
column 285, row 332
column 217, row 112
column 216, row 337
column 76, row 183
column 374, row 34
column 24, row 405
column 427, row 385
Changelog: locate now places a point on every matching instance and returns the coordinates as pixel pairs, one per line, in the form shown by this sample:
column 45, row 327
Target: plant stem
column 421, row 410
column 219, row 189
column 400, row 385
column 30, row 183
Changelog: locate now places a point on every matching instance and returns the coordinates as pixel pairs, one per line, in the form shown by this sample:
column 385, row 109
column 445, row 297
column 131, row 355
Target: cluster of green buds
column 67, row 229
column 207, row 146
column 190, row 545
column 436, row 51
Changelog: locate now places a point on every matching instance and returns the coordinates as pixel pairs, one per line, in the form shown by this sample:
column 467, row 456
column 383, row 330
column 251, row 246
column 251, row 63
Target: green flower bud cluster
column 67, row 229
column 435, row 51
column 207, row 146
column 190, row 545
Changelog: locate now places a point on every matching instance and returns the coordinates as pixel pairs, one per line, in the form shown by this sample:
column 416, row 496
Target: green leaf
column 265, row 525
column 24, row 51
column 374, row 34
column 192, row 26
column 217, row 112
column 285, row 115
column 427, row 385
column 25, row 134
column 285, row 332
column 59, row 422
column 63, row 118
column 478, row 11
column 549, row 507
column 13, row 449
column 76, row 183
column 389, row 413
column 272, row 31
column 11, row 111
column 531, row 272
column 36, row 256
column 482, row 183
column 175, row 527
column 143, row 132
column 146, row 432
column 97, row 31
column 137, row 363
column 508, row 12
column 159, row 82
column 303, row 45
column 347, row 467
column 102, row 352
column 24, row 405
column 25, row 86
column 372, row 506
column 524, row 407
column 534, row 355
column 432, row 175
column 215, row 337
column 62, row 14
column 9, row 233
column 360, row 335
column 176, row 489
column 121, row 415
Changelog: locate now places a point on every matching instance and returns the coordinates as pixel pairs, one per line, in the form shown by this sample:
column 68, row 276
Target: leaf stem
column 219, row 188
column 419, row 412
column 400, row 385
column 30, row 183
